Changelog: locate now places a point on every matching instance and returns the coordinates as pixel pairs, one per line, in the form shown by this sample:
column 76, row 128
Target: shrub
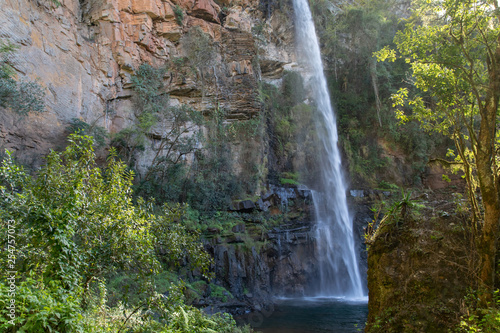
column 179, row 14
column 199, row 48
column 77, row 224
column 97, row 132
column 480, row 319
column 22, row 97
column 165, row 177
column 220, row 292
column 41, row 307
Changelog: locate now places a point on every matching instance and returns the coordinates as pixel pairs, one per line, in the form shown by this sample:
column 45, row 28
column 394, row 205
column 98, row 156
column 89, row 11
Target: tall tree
column 453, row 47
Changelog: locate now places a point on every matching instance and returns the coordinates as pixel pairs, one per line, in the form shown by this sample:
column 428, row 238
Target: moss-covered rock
column 418, row 271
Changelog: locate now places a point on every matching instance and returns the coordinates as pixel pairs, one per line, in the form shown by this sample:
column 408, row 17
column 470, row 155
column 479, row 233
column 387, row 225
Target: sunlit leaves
column 447, row 44
column 78, row 221
column 385, row 54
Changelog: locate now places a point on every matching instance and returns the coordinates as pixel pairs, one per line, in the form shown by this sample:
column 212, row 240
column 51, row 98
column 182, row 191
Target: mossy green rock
column 418, row 273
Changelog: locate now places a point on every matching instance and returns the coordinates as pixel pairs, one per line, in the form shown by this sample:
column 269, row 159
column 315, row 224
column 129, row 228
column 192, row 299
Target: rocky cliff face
column 84, row 53
column 282, row 262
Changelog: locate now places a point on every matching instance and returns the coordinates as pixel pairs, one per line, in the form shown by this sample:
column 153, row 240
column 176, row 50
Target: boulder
column 242, row 206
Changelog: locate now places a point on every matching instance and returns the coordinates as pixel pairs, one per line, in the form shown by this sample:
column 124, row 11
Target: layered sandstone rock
column 84, row 54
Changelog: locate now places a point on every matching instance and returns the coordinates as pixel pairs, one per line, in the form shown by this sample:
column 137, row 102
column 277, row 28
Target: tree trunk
column 373, row 73
column 488, row 181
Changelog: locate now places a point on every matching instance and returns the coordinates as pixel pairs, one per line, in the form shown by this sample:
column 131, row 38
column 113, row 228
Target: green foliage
column 168, row 170
column 72, row 200
column 76, row 224
column 290, row 126
column 199, row 48
column 442, row 72
column 178, row 137
column 220, row 292
column 187, row 166
column 199, row 287
column 41, row 307
column 22, row 97
column 170, row 315
column 394, row 211
column 446, row 178
column 361, row 87
column 248, row 129
column 452, row 76
column 290, row 178
column 248, row 136
column 179, row 14
column 214, row 183
column 350, row 35
column 454, row 54
column 97, row 132
column 383, row 185
column 221, row 220
column 151, row 105
column 148, row 84
column 479, row 319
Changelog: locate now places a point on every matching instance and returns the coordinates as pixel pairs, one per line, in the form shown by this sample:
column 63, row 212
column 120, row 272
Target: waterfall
column 339, row 272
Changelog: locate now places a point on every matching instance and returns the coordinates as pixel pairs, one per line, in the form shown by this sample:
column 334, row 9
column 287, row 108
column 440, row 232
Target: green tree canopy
column 74, row 223
column 453, row 49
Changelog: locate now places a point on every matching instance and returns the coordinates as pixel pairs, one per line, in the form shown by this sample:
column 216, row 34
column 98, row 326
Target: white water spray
column 339, row 272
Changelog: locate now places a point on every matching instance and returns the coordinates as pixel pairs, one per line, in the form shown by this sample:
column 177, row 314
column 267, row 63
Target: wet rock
column 234, row 239
column 357, row 193
column 267, row 196
column 263, row 205
column 304, row 192
column 213, row 230
column 242, row 206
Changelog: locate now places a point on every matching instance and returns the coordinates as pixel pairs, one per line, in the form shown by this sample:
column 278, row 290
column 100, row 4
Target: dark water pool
column 311, row 315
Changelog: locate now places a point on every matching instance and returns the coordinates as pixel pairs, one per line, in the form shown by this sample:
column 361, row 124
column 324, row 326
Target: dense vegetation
column 71, row 227
column 188, row 166
column 97, row 248
column 290, row 131
column 453, row 52
column 372, row 141
column 458, row 94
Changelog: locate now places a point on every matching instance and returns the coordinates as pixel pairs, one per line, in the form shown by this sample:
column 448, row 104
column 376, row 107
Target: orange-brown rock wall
column 84, row 53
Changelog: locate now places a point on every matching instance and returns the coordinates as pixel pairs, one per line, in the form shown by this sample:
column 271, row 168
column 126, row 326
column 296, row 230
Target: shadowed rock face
column 284, row 266
column 84, row 54
column 283, row 262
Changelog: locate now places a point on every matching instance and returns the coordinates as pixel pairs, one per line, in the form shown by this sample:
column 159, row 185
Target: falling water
column 339, row 272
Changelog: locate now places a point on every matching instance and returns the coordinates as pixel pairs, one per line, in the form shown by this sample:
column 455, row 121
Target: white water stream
column 339, row 272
